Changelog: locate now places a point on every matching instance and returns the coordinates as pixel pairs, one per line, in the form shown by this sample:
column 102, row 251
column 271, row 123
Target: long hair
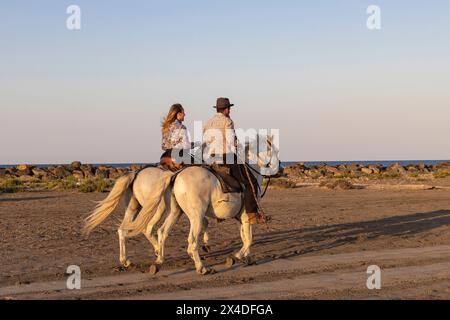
column 171, row 117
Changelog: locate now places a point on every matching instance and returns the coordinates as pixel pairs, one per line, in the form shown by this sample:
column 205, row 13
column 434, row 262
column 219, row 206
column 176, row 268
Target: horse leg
column 247, row 239
column 164, row 231
column 133, row 207
column 206, row 248
column 149, row 230
column 194, row 237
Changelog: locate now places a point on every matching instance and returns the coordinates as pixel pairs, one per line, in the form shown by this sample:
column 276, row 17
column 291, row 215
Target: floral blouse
column 176, row 138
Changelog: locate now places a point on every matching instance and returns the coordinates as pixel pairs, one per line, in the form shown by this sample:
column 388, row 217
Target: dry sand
column 318, row 245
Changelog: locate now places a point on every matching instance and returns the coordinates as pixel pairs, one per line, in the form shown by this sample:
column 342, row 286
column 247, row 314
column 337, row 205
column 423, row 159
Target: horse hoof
column 126, row 264
column 206, row 270
column 231, row 261
column 249, row 261
column 154, row 269
column 206, row 248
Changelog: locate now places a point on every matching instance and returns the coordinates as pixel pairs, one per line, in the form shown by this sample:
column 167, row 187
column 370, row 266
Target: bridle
column 264, row 176
column 269, row 177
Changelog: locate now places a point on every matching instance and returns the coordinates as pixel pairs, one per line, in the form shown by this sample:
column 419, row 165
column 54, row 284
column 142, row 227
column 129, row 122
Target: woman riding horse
column 175, row 137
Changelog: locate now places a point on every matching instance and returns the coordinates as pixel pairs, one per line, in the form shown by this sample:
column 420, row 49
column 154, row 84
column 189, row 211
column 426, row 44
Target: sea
column 384, row 163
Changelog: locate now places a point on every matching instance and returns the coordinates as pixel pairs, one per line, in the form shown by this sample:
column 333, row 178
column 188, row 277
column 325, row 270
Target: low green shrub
column 95, row 185
column 11, row 185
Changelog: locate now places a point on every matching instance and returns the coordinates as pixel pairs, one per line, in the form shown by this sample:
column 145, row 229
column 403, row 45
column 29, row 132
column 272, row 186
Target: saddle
column 228, row 183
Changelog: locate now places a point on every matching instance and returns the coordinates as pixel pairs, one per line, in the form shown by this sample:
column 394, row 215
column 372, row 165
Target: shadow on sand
column 326, row 237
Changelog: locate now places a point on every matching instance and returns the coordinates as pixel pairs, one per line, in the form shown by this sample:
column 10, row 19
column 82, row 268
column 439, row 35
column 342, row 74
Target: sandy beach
column 318, row 245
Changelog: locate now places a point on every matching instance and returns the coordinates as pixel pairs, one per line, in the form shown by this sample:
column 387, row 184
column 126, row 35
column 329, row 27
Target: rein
column 269, row 177
column 265, row 189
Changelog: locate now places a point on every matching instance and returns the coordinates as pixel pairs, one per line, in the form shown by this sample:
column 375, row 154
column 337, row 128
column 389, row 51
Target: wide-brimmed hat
column 223, row 103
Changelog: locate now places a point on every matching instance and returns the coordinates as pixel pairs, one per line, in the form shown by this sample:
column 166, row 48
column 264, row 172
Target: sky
column 312, row 69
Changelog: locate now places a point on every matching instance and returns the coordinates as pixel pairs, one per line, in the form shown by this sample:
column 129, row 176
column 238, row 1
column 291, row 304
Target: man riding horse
column 220, row 139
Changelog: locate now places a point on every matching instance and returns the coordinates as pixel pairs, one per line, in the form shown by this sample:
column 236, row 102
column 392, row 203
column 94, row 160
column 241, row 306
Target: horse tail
column 148, row 210
column 106, row 207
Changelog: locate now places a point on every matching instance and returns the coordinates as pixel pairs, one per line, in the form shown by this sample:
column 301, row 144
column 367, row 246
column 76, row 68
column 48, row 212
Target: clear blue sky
column 312, row 69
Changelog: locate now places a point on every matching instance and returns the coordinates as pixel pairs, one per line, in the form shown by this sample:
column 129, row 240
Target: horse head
column 263, row 153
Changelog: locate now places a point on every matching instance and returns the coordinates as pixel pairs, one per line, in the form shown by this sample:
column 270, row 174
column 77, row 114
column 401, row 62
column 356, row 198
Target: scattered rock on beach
column 114, row 173
column 136, row 167
column 442, row 167
column 78, row 174
column 39, row 172
column 23, row 167
column 396, row 168
column 335, row 171
column 23, row 170
column 87, row 170
column 76, row 165
column 102, row 172
column 366, row 170
column 61, row 172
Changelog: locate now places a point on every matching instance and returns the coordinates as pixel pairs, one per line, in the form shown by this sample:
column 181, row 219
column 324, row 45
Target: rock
column 114, row 173
column 23, row 167
column 375, row 168
column 396, row 168
column 334, row 171
column 300, row 166
column 2, row 173
column 76, row 165
column 61, row 172
column 354, row 169
column 354, row 166
column 68, row 168
column 102, row 173
column 445, row 166
column 77, row 174
column 136, row 167
column 25, row 172
column 314, row 174
column 123, row 170
column 291, row 170
column 39, row 172
column 366, row 170
column 309, row 173
column 88, row 171
column 412, row 168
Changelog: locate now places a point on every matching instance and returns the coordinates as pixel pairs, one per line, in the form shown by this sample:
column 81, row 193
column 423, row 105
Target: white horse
column 198, row 193
column 141, row 192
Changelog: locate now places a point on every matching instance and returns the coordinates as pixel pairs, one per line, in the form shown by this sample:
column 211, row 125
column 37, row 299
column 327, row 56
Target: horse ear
column 270, row 139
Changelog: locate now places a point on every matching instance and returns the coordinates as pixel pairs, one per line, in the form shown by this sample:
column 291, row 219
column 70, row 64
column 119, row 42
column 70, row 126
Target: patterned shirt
column 177, row 137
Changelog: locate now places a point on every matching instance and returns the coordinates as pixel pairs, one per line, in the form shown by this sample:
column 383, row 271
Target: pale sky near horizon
column 312, row 69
